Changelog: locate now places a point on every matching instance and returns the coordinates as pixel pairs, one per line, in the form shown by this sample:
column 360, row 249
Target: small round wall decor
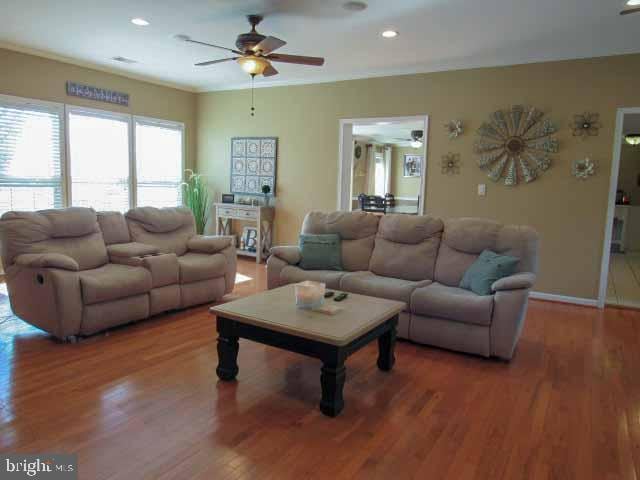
column 450, row 163
column 515, row 144
column 583, row 168
column 586, row 125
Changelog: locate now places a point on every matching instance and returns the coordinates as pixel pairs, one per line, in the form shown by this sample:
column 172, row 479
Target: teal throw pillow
column 488, row 268
column 320, row 252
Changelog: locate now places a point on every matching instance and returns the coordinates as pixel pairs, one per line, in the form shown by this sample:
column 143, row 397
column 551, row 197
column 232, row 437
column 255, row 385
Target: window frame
column 63, row 110
column 156, row 122
column 53, row 107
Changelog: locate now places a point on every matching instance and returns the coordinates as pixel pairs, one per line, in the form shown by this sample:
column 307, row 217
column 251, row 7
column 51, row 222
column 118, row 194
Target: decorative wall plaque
column 450, row 163
column 98, row 94
column 586, row 125
column 515, row 144
column 583, row 168
column 253, row 164
column 454, row 128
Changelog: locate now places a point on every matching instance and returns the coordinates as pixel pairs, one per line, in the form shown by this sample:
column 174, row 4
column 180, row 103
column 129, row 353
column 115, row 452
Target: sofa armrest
column 209, row 243
column 514, row 282
column 289, row 253
column 47, row 260
column 131, row 249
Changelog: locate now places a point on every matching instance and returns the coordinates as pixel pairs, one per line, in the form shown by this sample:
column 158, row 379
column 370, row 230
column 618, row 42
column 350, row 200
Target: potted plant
column 266, row 189
column 196, row 198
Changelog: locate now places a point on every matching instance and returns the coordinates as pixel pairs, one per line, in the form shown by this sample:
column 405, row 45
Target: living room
column 149, row 323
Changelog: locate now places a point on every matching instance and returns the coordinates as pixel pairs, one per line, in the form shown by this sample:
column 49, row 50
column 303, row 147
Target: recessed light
column 389, row 34
column 141, row 22
column 354, row 6
column 633, row 3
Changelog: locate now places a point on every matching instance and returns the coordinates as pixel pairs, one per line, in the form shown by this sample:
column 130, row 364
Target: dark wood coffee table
column 272, row 318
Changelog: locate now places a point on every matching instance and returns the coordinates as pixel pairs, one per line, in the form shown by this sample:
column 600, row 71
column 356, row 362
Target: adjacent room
column 277, row 239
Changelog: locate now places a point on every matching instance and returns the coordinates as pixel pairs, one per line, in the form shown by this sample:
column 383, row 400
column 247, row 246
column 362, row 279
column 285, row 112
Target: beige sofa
column 74, row 272
column 420, row 260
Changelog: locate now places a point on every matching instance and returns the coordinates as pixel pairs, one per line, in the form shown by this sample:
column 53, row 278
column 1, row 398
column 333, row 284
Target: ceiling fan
column 254, row 52
column 627, row 11
column 416, row 138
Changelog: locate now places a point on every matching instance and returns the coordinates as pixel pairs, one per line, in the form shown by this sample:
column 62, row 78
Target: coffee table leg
column 332, row 380
column 386, row 347
column 227, row 358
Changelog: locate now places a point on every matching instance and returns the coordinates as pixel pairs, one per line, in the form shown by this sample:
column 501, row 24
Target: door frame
column 345, row 156
column 611, row 205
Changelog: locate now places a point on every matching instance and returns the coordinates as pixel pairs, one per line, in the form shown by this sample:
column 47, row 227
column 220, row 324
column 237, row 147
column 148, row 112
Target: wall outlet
column 482, row 189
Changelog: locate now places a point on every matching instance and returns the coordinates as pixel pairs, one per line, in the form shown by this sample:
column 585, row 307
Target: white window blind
column 159, row 162
column 99, row 158
column 31, row 155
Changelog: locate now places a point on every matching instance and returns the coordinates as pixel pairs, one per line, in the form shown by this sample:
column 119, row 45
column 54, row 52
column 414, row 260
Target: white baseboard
column 551, row 297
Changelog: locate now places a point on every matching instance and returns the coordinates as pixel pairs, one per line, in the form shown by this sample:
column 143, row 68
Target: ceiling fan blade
column 627, row 11
column 190, row 40
column 268, row 45
column 297, row 59
column 270, row 71
column 213, row 62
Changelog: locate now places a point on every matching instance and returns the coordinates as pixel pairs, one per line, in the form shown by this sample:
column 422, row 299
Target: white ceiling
column 434, row 35
column 396, row 133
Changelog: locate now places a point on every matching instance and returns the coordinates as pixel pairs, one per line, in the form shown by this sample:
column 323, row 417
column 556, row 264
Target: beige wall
column 402, row 186
column 29, row 76
column 568, row 213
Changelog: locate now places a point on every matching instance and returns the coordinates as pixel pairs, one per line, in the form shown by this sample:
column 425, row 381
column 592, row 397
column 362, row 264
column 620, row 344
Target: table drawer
column 227, row 212
column 249, row 214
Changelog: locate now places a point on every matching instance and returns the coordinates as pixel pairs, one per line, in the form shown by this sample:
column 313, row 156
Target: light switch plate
column 482, row 189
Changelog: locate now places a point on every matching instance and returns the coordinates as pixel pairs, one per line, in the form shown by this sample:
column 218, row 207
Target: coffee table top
column 276, row 310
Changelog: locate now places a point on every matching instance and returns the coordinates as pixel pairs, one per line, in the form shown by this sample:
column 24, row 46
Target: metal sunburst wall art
column 454, row 129
column 516, row 144
column 586, row 125
column 450, row 163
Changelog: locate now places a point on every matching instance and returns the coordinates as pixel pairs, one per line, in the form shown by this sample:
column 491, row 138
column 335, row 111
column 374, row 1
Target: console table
column 261, row 216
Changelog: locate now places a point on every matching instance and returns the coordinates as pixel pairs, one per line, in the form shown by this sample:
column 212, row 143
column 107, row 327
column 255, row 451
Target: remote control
column 328, row 294
column 340, row 297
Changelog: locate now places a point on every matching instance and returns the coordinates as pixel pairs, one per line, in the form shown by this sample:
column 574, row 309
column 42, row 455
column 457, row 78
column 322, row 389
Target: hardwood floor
column 143, row 402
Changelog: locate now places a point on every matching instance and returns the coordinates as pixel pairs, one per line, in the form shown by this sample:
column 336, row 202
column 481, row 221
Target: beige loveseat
column 420, row 260
column 74, row 272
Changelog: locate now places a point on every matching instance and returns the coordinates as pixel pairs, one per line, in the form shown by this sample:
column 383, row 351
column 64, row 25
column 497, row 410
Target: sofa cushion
column 320, row 252
column 406, row 247
column 293, row 274
column 201, row 266
column 70, row 231
column 452, row 303
column 465, row 238
column 169, row 229
column 112, row 282
column 114, row 227
column 487, row 269
column 357, row 231
column 368, row 283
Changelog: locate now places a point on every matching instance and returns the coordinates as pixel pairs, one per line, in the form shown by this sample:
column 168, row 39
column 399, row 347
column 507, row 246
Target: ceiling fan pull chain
column 252, row 107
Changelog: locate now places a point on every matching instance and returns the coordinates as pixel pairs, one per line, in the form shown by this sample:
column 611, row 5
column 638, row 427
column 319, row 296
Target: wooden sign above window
column 98, row 94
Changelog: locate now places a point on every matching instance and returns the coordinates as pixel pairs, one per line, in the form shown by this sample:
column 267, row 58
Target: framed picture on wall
column 412, row 165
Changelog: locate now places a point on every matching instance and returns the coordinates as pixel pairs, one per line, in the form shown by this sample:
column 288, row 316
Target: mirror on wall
column 386, row 164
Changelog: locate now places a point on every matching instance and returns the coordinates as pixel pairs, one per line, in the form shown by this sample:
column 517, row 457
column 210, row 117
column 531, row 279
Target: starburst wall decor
column 516, row 144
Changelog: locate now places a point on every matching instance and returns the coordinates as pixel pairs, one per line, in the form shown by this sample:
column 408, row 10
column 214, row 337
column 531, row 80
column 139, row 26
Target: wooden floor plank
column 143, row 402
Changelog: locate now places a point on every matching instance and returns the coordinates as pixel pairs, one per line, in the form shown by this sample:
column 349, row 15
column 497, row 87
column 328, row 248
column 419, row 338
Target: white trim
column 613, row 186
column 345, row 168
column 552, row 297
column 33, row 102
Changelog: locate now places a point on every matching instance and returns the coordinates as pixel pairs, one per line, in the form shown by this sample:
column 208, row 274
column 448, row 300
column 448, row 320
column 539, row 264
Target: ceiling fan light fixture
column 632, row 139
column 633, row 3
column 416, row 143
column 253, row 65
column 389, row 34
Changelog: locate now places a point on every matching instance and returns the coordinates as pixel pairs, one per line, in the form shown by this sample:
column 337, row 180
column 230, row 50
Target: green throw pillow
column 320, row 252
column 488, row 268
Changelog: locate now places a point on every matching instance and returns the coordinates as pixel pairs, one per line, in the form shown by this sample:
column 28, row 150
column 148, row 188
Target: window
column 380, row 181
column 99, row 159
column 159, row 162
column 31, row 155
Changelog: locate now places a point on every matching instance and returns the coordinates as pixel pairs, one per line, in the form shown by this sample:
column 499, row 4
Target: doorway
column 382, row 164
column 620, row 271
